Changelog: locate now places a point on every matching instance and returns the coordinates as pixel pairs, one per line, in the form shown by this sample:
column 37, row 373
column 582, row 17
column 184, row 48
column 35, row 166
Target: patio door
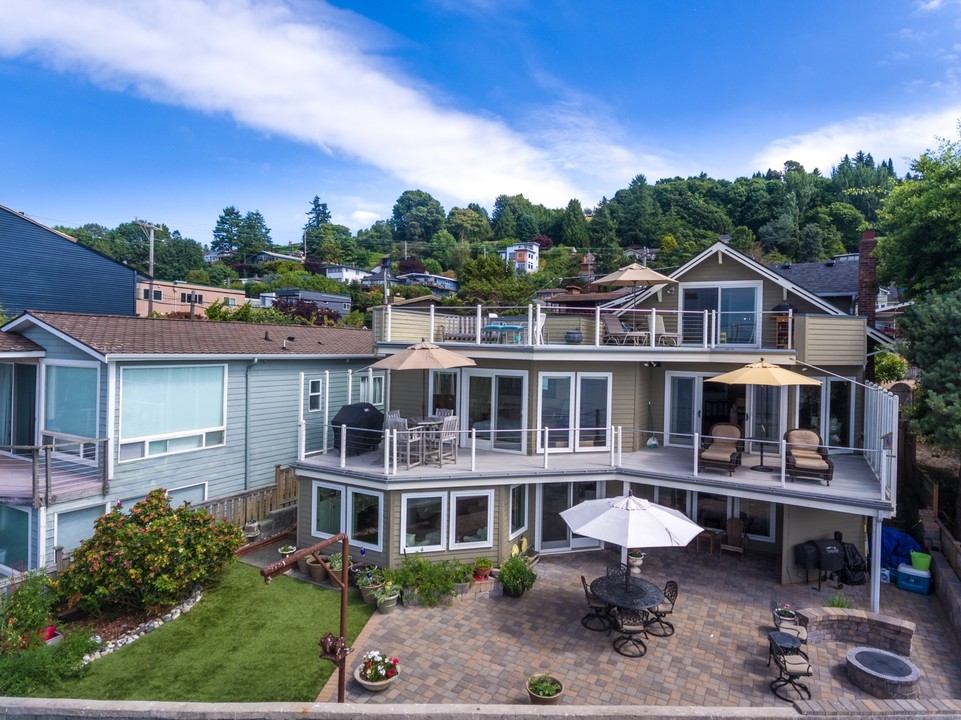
column 828, row 410
column 496, row 408
column 553, row 534
column 17, row 407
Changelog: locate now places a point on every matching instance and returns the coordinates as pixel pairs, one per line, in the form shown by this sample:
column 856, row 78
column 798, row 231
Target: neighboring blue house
column 97, row 409
column 43, row 269
column 438, row 284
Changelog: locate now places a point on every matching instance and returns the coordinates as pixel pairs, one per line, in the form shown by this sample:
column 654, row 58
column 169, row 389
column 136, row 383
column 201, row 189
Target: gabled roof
column 120, row 337
column 16, row 343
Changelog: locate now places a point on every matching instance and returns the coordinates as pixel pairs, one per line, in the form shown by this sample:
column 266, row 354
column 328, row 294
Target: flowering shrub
column 377, row 666
column 150, row 558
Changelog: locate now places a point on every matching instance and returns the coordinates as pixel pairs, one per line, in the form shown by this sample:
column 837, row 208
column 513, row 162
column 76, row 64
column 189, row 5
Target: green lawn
column 243, row 642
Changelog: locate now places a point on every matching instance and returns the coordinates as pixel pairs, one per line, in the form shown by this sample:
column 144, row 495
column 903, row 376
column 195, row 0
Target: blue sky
column 171, row 111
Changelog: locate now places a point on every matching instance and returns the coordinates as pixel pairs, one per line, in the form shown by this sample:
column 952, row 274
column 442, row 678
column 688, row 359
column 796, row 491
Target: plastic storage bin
column 920, row 560
column 918, row 581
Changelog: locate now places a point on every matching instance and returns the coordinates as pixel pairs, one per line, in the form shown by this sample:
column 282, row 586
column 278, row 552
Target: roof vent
column 786, row 266
column 830, row 263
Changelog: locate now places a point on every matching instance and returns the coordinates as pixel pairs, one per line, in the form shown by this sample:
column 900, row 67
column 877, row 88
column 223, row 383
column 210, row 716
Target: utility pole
column 149, row 229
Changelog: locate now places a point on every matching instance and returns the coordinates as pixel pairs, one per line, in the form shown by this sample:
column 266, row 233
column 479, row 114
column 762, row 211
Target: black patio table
column 634, row 594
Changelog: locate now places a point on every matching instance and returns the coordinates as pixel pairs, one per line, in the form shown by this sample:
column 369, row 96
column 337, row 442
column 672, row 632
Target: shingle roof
column 115, row 334
column 15, row 342
column 825, row 279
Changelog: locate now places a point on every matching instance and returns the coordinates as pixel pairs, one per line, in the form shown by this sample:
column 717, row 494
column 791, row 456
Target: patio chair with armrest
column 410, row 446
column 789, row 625
column 631, row 624
column 791, row 667
column 661, row 336
column 806, row 457
column 443, row 442
column 598, row 618
column 723, row 448
column 615, row 333
column 660, row 612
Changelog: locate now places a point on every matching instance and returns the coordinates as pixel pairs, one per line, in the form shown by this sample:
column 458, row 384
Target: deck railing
column 534, row 325
column 58, row 467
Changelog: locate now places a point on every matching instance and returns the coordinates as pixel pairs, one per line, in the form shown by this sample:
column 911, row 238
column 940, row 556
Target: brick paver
column 481, row 650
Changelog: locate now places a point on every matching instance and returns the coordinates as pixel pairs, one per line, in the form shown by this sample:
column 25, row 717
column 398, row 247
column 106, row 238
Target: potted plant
column 482, row 567
column 516, row 576
column 286, row 551
column 635, row 558
column 463, row 575
column 335, row 563
column 785, row 612
column 386, row 596
column 377, row 670
column 317, row 567
column 368, row 582
column 544, row 689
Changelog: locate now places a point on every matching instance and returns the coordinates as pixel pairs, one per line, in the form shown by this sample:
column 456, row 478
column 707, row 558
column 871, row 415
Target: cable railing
column 58, row 468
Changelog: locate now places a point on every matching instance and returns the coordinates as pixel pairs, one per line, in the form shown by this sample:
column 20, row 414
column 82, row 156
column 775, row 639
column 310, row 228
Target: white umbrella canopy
column 631, row 522
column 633, row 275
column 763, row 373
column 423, row 356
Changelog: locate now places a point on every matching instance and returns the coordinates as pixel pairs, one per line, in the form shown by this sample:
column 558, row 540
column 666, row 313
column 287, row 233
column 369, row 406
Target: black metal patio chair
column 631, row 624
column 664, row 628
column 791, row 667
column 598, row 618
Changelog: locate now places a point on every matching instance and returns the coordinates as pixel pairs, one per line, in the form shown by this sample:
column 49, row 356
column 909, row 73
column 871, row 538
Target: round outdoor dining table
column 635, row 594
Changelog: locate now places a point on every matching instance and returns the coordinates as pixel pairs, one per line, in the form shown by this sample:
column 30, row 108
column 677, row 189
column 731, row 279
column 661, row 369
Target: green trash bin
column 920, row 561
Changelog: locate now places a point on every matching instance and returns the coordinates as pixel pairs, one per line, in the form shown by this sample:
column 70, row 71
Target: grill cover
column 806, row 555
column 365, row 427
column 830, row 555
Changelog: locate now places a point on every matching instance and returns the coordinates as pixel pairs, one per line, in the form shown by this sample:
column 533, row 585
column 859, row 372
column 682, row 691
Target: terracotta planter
column 545, row 699
column 302, row 565
column 317, row 570
column 374, row 686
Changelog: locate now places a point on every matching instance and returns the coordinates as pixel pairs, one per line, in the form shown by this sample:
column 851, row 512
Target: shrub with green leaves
column 150, row 558
column 839, row 601
column 26, row 610
column 889, row 367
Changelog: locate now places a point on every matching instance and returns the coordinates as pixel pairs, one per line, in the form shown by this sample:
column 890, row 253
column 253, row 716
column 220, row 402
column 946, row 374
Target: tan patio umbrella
column 633, row 275
column 763, row 373
column 423, row 356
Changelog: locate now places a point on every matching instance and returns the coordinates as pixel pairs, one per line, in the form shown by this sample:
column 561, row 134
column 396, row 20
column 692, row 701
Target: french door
column 553, row 534
column 829, row 410
column 497, row 407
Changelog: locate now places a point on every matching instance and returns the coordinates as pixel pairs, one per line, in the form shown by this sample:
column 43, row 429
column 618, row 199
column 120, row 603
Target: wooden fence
column 255, row 504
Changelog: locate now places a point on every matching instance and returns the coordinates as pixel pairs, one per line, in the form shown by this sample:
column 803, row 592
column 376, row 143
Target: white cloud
column 312, row 80
column 901, row 138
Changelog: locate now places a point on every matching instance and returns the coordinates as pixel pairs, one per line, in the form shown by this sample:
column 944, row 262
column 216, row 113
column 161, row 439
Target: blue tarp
column 896, row 547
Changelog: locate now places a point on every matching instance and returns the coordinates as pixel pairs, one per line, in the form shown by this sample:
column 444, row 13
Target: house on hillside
column 346, row 273
column 98, row 409
column 575, row 403
column 43, row 269
column 438, row 284
column 522, row 258
column 340, row 304
column 163, row 297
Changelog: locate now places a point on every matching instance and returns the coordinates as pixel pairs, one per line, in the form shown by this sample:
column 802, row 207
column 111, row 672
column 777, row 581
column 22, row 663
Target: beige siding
column 823, row 340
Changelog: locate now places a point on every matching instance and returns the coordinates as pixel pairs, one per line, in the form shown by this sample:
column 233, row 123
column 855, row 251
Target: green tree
column 468, row 225
column 932, row 343
column 574, row 226
column 921, row 248
column 743, row 239
column 227, row 231
column 416, row 217
column 849, row 222
column 175, row 257
column 862, row 183
column 488, row 280
column 636, row 214
column 603, row 241
column 253, row 237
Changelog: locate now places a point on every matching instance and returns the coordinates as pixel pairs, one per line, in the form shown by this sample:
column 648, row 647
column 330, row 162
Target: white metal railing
column 533, row 325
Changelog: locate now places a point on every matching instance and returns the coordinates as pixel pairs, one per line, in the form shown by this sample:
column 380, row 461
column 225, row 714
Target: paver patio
column 481, row 650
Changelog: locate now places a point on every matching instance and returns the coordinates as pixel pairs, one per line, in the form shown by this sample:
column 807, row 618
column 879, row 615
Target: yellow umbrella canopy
column 423, row 356
column 633, row 275
column 763, row 373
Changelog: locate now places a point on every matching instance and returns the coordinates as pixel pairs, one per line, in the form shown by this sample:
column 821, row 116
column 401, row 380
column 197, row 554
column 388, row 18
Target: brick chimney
column 867, row 276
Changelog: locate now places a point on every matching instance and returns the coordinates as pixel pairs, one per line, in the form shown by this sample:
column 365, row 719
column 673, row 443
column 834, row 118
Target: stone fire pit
column 882, row 673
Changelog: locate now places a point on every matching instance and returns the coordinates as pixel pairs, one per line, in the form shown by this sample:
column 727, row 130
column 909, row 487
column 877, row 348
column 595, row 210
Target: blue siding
column 42, row 270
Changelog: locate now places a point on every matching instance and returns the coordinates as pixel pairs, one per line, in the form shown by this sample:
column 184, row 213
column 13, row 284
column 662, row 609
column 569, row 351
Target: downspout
column 247, row 424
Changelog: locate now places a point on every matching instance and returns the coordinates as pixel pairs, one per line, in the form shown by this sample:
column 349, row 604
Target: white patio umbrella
column 631, row 522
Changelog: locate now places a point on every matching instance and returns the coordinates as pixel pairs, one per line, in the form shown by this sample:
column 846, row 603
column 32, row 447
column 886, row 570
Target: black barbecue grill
column 365, row 427
column 825, row 556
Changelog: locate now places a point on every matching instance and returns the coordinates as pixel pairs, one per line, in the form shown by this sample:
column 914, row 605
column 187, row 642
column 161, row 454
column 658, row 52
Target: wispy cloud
column 315, row 81
column 902, row 137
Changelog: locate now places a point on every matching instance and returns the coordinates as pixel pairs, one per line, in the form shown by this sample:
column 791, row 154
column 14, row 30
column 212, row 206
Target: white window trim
column 370, row 388
column 527, row 509
column 42, row 430
column 130, row 501
column 202, row 433
column 772, row 520
column 756, row 285
column 541, row 377
column 314, row 532
column 574, row 433
column 319, row 394
column 105, row 508
column 403, row 522
column 351, row 491
column 452, row 522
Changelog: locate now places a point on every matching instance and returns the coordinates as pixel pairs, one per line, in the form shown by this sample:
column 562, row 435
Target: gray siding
column 42, row 270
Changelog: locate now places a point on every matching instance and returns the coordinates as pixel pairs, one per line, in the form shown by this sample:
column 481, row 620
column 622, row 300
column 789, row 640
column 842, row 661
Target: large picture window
column 327, row 510
column 70, row 400
column 472, row 514
column 366, row 518
column 422, row 521
column 165, row 410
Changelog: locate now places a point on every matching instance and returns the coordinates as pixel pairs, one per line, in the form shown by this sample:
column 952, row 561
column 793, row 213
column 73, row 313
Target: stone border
column 858, row 627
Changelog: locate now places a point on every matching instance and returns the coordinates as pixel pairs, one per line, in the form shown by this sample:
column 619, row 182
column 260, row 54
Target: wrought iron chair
column 631, row 624
column 791, row 668
column 617, row 570
column 598, row 618
column 659, row 612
